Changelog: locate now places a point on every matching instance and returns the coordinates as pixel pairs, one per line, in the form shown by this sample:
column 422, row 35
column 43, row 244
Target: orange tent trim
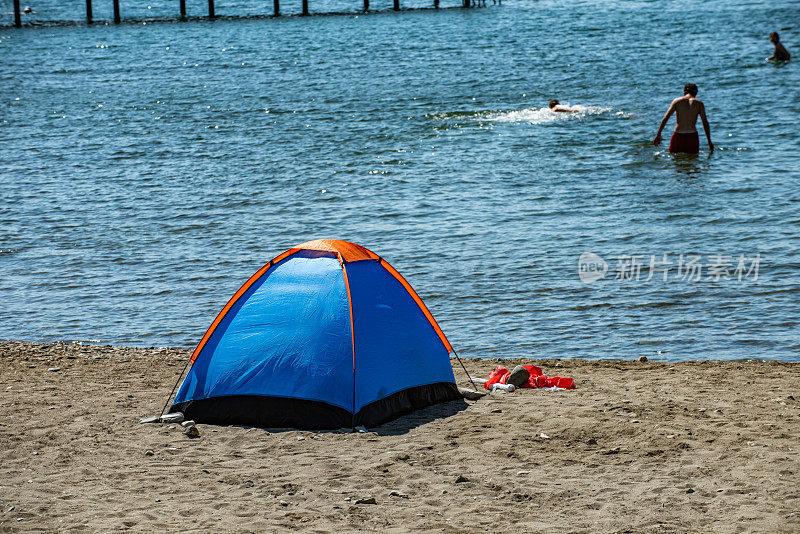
column 346, row 250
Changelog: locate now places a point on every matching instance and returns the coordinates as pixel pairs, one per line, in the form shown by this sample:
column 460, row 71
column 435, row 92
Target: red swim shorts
column 688, row 143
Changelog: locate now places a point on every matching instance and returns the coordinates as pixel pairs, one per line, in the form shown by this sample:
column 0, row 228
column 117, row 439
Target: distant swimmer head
column 775, row 38
column 553, row 103
column 28, row 9
column 690, row 89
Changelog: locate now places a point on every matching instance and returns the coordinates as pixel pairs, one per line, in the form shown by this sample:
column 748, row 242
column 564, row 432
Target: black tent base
column 280, row 412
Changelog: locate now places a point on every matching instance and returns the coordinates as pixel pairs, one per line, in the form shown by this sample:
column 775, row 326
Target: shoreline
column 637, row 446
column 5, row 342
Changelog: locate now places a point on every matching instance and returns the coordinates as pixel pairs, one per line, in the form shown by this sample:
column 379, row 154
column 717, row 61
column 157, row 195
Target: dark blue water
column 147, row 170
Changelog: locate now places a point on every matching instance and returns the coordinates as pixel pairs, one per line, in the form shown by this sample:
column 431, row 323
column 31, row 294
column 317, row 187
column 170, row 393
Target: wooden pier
column 276, row 9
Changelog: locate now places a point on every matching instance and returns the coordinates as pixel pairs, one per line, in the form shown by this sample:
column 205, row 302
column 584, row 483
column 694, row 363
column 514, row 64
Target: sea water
column 148, row 169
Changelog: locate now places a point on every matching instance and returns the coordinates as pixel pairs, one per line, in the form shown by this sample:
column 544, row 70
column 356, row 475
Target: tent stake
column 465, row 370
column 175, row 386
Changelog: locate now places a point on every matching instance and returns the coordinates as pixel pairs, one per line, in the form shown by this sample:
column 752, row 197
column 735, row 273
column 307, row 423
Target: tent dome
column 326, row 335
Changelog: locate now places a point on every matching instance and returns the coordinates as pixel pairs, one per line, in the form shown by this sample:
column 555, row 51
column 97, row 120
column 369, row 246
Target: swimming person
column 554, row 103
column 688, row 108
column 780, row 54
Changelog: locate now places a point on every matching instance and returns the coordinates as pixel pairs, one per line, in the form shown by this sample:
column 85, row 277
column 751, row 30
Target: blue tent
column 326, row 335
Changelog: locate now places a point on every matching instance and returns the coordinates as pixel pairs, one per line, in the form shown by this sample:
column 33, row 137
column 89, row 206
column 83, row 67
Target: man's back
column 687, row 109
column 781, row 54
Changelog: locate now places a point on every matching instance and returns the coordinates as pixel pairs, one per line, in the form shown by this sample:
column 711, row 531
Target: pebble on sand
column 642, row 358
column 461, row 478
column 369, row 499
column 54, row 369
column 190, row 430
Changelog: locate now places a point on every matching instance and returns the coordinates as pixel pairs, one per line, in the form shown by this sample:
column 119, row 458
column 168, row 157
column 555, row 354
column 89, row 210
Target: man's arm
column 670, row 111
column 706, row 127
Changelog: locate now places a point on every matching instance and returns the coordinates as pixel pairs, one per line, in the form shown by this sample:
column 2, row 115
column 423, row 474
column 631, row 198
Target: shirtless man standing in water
column 688, row 108
column 780, row 54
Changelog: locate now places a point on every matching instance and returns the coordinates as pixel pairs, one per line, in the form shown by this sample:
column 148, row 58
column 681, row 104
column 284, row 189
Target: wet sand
column 637, row 447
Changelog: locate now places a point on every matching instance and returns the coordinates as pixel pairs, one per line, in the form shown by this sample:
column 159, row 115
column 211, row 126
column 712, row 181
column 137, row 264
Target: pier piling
column 211, row 10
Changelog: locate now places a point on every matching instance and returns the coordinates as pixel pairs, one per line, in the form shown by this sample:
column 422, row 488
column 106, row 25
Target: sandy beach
column 637, row 447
